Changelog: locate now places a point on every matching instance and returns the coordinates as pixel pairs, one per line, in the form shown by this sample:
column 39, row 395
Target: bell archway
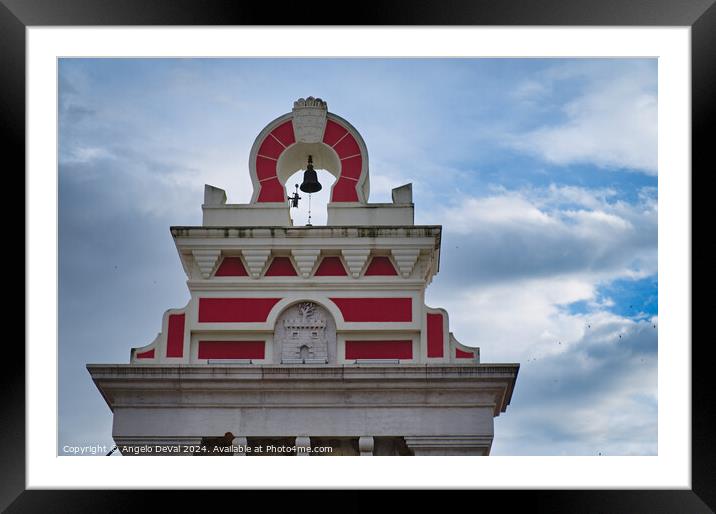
column 282, row 148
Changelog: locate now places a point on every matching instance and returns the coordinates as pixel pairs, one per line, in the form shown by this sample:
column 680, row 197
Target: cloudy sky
column 542, row 172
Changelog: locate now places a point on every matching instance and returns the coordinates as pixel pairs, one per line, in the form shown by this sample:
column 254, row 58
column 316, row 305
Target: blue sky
column 542, row 172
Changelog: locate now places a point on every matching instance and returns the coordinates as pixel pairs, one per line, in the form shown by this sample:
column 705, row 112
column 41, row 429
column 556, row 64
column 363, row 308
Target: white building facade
column 310, row 338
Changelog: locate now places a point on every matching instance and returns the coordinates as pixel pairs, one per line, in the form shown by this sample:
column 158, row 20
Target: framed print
column 539, row 159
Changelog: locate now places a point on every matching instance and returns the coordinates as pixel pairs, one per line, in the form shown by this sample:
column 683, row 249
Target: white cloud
column 521, row 257
column 612, row 123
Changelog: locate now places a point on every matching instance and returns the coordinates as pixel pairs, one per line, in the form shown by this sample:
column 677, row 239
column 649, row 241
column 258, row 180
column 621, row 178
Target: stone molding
column 405, row 258
column 355, row 259
column 305, row 260
column 206, row 260
column 255, row 260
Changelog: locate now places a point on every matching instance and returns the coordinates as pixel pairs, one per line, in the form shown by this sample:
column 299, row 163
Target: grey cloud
column 608, row 239
column 597, row 396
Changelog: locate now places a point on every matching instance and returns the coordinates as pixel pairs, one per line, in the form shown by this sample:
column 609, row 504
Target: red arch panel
column 352, row 167
column 265, row 168
column 271, row 147
column 271, row 191
column 344, row 190
column 284, row 133
column 347, row 147
column 333, row 133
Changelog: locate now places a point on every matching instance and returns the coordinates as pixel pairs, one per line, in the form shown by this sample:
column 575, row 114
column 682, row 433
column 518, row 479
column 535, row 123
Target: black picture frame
column 700, row 15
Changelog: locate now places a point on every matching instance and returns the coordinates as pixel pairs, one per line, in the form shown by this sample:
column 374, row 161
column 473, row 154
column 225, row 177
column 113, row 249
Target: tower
column 306, row 337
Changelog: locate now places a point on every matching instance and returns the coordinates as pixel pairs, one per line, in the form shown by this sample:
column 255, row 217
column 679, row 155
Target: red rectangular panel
column 463, row 355
column 435, row 335
column 175, row 335
column 379, row 349
column 231, row 349
column 235, row 310
column 375, row 309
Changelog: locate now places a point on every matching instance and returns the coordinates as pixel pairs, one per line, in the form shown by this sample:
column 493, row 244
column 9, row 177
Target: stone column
column 365, row 445
column 240, row 443
column 303, row 443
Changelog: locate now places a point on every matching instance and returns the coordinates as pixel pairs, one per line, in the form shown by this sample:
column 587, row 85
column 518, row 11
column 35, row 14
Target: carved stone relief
column 305, row 333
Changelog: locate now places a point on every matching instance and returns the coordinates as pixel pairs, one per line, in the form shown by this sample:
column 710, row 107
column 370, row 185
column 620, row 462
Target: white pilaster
column 240, row 443
column 303, row 443
column 366, row 445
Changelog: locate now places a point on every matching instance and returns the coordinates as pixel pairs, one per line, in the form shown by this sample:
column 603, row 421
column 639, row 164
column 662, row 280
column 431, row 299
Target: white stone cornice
column 355, row 259
column 255, row 260
column 405, row 259
column 206, row 260
column 305, row 259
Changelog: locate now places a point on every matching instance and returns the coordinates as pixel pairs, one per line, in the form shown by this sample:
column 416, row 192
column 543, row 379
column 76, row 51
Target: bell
column 310, row 179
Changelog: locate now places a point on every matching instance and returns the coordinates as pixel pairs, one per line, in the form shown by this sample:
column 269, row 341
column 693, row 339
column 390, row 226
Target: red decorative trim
column 379, row 349
column 347, row 147
column 235, row 310
column 265, row 168
column 331, row 267
column 435, row 335
column 344, row 190
column 175, row 336
column 149, row 354
column 375, row 309
column 231, row 349
column 231, row 267
column 463, row 355
column 271, row 147
column 351, row 167
column 380, row 265
column 271, row 191
column 333, row 133
column 281, row 267
column 284, row 133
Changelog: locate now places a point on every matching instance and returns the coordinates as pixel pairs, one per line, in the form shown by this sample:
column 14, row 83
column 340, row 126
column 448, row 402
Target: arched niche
column 304, row 333
column 283, row 147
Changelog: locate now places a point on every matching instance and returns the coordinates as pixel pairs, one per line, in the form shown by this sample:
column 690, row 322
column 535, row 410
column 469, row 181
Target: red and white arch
column 276, row 155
